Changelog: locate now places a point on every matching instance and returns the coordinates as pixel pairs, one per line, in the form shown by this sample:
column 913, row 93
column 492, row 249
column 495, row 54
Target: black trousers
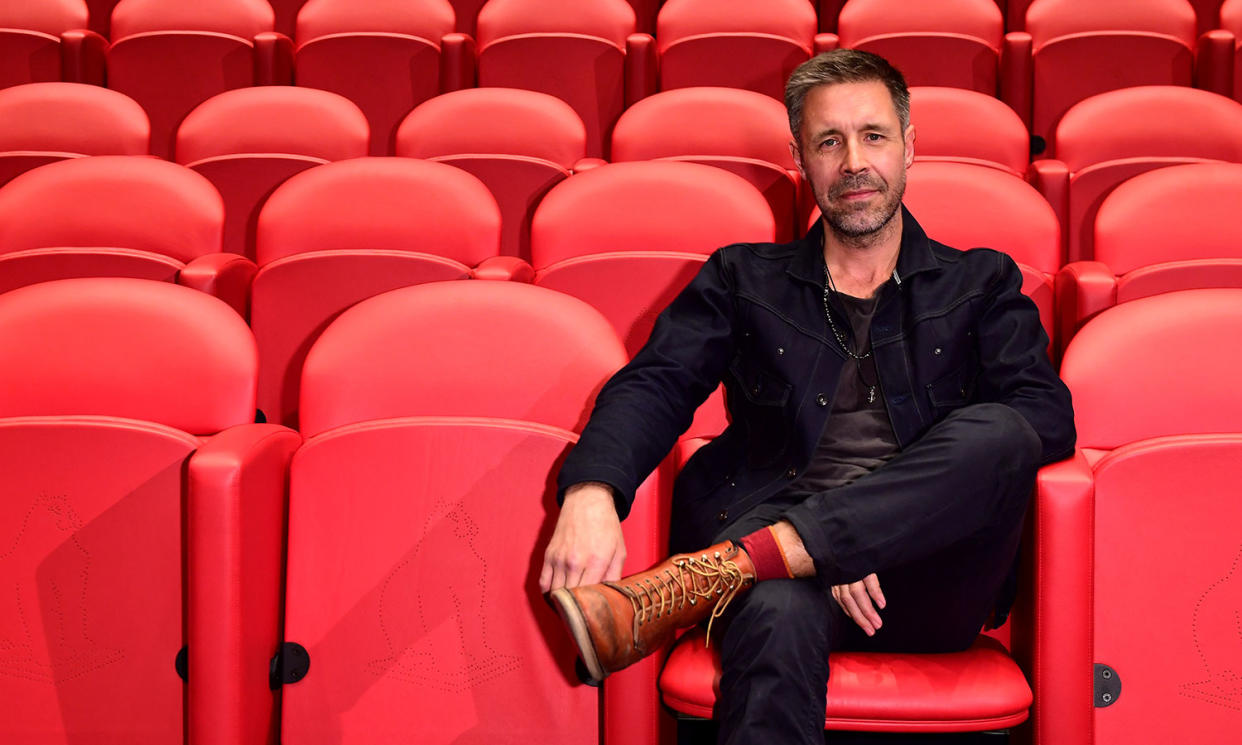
column 939, row 525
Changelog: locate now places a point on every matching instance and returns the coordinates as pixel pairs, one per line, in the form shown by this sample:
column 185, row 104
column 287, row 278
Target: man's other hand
column 587, row 545
column 860, row 601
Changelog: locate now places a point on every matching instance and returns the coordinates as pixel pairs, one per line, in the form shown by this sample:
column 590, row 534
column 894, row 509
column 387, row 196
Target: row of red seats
column 248, row 141
column 170, row 57
column 625, row 237
column 378, row 567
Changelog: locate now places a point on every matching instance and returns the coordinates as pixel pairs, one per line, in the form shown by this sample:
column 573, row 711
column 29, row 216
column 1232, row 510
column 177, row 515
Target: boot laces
column 689, row 580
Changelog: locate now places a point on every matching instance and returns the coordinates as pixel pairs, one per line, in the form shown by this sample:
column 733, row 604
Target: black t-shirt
column 858, row 437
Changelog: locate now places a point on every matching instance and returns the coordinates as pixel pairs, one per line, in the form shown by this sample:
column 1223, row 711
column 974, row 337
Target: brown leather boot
column 616, row 624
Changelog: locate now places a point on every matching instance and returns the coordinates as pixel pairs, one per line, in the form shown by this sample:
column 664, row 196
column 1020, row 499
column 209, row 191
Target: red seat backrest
column 128, row 348
column 243, row 18
column 966, row 126
column 44, row 122
column 429, row 19
column 51, row 17
column 463, row 349
column 112, row 201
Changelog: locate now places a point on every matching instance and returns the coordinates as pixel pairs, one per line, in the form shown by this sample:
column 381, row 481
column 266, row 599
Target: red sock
column 766, row 554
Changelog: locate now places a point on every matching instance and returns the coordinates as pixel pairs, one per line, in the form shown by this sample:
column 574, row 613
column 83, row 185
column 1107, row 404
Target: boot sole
column 565, row 604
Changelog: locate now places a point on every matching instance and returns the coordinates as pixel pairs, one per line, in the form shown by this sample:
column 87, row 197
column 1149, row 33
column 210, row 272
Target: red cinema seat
column 953, row 43
column 47, row 40
column 286, row 15
column 1231, row 22
column 118, row 216
column 435, row 418
column 386, row 56
column 1109, row 138
column 1080, row 49
column 1170, row 229
column 466, row 13
column 740, row 131
column 961, row 126
column 735, row 43
column 541, row 142
column 531, row 44
column 1149, row 501
column 627, row 237
column 142, row 517
column 42, row 123
column 344, row 231
column 248, row 141
column 1207, row 14
column 170, row 57
column 967, row 206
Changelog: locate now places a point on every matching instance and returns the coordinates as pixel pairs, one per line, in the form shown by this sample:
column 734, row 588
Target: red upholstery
column 344, row 231
column 627, row 237
column 466, row 13
column 110, row 386
column 386, row 56
column 170, row 57
column 1082, row 49
column 964, row 126
column 1231, row 21
column 1111, row 137
column 1149, row 481
column 248, row 141
column 743, row 132
column 955, row 43
column 734, row 43
column 46, row 122
column 37, row 37
column 530, row 43
column 286, row 15
column 540, row 143
column 1170, row 229
column 967, row 206
column 434, row 624
column 987, row 689
column 114, row 215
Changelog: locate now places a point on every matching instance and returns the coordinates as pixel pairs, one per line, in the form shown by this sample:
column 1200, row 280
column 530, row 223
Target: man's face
column 852, row 151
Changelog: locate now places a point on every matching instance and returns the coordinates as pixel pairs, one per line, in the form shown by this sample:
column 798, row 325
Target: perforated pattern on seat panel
column 91, row 504
column 433, row 623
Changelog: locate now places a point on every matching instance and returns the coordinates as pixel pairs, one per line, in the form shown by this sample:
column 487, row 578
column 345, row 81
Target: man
column 890, row 399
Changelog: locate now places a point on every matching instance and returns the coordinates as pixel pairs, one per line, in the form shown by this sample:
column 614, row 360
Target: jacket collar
column 914, row 256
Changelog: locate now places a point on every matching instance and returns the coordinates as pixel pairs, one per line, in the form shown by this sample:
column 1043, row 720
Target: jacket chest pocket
column 952, row 391
column 759, row 401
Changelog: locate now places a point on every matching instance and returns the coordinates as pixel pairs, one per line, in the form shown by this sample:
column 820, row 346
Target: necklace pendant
column 871, row 395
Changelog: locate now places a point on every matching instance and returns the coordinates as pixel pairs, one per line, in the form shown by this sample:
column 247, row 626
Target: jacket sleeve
column 642, row 410
column 1016, row 370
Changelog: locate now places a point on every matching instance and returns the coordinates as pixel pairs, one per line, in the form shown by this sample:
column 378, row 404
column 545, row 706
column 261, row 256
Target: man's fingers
column 872, row 584
column 545, row 577
column 859, row 593
column 852, row 610
column 614, row 567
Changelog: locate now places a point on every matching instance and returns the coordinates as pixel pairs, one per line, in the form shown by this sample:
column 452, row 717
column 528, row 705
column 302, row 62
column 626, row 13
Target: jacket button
column 723, row 516
column 821, row 400
column 937, row 351
column 791, row 472
column 754, row 389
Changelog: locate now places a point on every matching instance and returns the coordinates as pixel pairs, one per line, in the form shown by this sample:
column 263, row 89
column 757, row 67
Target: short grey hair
column 844, row 66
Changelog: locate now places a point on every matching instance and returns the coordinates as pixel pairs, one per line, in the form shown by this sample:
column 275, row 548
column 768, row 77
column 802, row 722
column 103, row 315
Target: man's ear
column 796, row 152
column 909, row 136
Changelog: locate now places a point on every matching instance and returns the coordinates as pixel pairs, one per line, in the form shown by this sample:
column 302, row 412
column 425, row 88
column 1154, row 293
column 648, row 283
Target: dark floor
column 700, row 732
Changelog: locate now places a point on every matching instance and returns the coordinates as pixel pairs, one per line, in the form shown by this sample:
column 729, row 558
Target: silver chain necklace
column 831, row 287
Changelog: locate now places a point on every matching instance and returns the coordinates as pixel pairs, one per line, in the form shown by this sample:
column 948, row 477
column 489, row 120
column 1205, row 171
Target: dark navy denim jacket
column 950, row 328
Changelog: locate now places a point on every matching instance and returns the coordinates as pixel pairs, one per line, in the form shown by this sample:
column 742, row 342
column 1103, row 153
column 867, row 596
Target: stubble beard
column 856, row 224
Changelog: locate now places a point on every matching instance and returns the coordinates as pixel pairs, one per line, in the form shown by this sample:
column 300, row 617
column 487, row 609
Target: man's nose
column 854, row 161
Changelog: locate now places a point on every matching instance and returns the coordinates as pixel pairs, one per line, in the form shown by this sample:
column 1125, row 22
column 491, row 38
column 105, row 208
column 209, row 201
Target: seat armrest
column 586, row 164
column 457, row 62
column 1214, row 65
column 1017, row 73
column 509, row 268
column 273, row 59
column 1060, row 667
column 235, row 517
column 82, row 57
column 1051, row 178
column 223, row 275
column 1083, row 289
column 642, row 70
column 825, row 42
